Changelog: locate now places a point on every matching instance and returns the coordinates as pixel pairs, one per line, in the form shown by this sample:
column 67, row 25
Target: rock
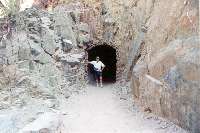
column 173, row 74
column 46, row 123
column 51, row 103
column 67, row 41
column 45, row 22
column 35, row 38
column 24, row 65
column 26, row 4
column 189, row 65
column 83, row 27
column 63, row 24
column 24, row 81
column 49, row 44
column 7, row 124
column 3, row 60
column 84, row 34
column 10, row 73
column 32, row 80
column 109, row 20
column 72, row 59
column 66, row 45
column 43, row 58
column 35, row 49
column 172, row 77
column 67, row 94
column 84, row 38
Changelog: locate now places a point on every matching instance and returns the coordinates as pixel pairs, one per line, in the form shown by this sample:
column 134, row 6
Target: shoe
column 101, row 86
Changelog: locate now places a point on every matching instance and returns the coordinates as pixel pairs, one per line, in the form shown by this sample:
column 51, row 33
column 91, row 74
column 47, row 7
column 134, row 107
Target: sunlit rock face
column 23, row 4
column 46, row 3
column 34, row 60
column 159, row 46
column 26, row 4
column 163, row 56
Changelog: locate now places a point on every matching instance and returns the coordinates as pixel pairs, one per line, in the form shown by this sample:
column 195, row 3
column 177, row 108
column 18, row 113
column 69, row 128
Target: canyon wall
column 162, row 37
column 40, row 64
column 158, row 46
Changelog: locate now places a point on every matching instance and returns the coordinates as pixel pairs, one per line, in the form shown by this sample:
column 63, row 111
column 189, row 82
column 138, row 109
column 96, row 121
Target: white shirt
column 98, row 65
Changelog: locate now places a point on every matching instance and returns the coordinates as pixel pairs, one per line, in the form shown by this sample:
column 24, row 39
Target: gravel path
column 100, row 110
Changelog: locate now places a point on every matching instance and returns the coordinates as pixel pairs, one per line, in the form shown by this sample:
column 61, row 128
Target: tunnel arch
column 109, row 55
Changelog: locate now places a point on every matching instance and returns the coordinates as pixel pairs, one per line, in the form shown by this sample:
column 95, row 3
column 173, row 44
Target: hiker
column 98, row 68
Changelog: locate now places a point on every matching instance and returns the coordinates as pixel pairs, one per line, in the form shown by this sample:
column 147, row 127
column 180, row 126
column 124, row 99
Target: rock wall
column 40, row 61
column 163, row 60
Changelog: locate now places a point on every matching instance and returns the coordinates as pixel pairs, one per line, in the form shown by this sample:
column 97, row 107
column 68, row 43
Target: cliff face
column 163, row 60
column 39, row 61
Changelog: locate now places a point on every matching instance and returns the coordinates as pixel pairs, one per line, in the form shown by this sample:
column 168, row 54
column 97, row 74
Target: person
column 98, row 68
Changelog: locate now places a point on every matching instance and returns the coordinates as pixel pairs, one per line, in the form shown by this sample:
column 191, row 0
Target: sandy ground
column 100, row 110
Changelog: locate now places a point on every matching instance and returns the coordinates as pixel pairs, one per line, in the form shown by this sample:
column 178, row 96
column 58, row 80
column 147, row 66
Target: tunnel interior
column 108, row 57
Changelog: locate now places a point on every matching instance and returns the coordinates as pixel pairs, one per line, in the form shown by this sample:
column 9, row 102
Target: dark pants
column 97, row 75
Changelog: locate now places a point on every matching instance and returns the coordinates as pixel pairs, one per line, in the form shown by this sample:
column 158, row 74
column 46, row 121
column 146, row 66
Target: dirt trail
column 100, row 110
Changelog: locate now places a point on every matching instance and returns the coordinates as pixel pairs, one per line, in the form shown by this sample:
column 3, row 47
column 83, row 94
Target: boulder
column 72, row 59
column 84, row 27
column 66, row 45
column 64, row 24
column 172, row 77
column 43, row 58
column 84, row 38
column 7, row 124
column 36, row 49
column 46, row 123
column 49, row 44
column 169, row 82
column 189, row 65
column 46, row 23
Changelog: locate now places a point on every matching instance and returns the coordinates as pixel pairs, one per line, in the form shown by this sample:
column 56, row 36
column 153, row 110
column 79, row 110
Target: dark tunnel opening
column 107, row 55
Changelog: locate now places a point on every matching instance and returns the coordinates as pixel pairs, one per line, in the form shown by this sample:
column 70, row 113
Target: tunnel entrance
column 108, row 56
